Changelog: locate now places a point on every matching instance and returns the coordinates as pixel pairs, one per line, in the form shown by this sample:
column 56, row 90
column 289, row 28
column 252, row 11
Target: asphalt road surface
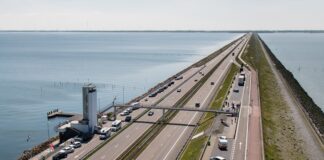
column 171, row 140
column 121, row 142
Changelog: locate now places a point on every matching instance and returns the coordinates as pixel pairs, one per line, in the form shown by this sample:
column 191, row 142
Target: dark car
column 150, row 113
column 60, row 155
column 197, row 105
column 128, row 118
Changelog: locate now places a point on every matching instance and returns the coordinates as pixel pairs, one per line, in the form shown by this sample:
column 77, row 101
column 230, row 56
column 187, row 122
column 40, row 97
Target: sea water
column 303, row 55
column 41, row 71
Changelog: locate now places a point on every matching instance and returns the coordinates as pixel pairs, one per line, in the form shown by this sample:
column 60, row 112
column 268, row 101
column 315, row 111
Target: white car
column 68, row 150
column 129, row 110
column 75, row 144
column 217, row 158
column 124, row 113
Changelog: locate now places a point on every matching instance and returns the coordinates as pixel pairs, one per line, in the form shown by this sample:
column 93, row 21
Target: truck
column 222, row 143
column 241, row 80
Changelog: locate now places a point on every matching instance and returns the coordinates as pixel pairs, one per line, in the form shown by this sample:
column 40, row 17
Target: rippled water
column 303, row 55
column 40, row 71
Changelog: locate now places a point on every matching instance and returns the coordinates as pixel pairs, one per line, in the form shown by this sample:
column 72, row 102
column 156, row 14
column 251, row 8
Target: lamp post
column 113, row 103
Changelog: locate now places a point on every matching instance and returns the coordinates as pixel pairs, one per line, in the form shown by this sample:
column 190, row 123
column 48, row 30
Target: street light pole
column 113, row 103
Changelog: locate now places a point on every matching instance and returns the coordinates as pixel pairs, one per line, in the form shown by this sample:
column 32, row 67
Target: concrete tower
column 90, row 105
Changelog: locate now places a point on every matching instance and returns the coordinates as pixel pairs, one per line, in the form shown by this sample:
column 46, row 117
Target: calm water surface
column 40, row 71
column 303, row 55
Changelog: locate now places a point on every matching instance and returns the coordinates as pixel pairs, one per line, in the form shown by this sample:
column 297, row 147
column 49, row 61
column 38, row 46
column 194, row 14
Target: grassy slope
column 196, row 146
column 279, row 134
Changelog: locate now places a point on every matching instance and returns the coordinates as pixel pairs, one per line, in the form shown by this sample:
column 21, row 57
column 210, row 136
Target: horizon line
column 76, row 30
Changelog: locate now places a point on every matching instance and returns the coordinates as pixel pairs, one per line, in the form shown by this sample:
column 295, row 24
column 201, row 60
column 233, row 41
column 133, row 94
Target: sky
column 161, row 14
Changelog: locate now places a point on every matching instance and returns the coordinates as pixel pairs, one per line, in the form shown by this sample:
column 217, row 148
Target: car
column 179, row 90
column 160, row 90
column 68, row 149
column 128, row 118
column 76, row 144
column 222, row 143
column 103, row 137
column 152, row 95
column 236, row 90
column 212, row 83
column 124, row 113
column 150, row 113
column 217, row 158
column 178, row 78
column 60, row 155
column 114, row 129
column 197, row 105
column 79, row 139
column 129, row 110
column 196, row 80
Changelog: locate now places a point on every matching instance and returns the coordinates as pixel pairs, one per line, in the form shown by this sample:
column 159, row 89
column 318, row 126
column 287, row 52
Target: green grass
column 279, row 134
column 196, row 146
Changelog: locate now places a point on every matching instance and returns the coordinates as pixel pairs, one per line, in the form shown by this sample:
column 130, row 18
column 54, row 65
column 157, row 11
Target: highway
column 170, row 141
column 121, row 142
column 233, row 97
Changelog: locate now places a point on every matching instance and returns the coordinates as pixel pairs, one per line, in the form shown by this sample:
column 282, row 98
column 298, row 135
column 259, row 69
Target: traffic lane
column 240, row 142
column 144, row 118
column 233, row 97
column 116, row 151
column 126, row 142
column 155, row 151
column 210, row 64
column 109, row 151
column 95, row 141
column 159, row 148
column 186, row 75
column 135, row 113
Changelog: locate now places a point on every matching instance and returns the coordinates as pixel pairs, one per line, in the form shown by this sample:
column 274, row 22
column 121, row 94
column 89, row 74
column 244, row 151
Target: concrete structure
column 89, row 93
column 87, row 125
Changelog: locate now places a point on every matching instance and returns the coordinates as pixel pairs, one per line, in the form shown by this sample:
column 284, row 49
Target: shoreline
column 198, row 63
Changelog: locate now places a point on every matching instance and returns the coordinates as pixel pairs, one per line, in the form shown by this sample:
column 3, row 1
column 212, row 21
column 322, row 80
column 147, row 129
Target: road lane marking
column 195, row 114
column 238, row 125
column 75, row 157
column 240, row 145
column 248, row 118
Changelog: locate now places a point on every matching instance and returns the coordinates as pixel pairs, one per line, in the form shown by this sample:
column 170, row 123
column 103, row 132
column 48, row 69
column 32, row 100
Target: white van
column 116, row 125
column 222, row 143
column 135, row 105
column 105, row 133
